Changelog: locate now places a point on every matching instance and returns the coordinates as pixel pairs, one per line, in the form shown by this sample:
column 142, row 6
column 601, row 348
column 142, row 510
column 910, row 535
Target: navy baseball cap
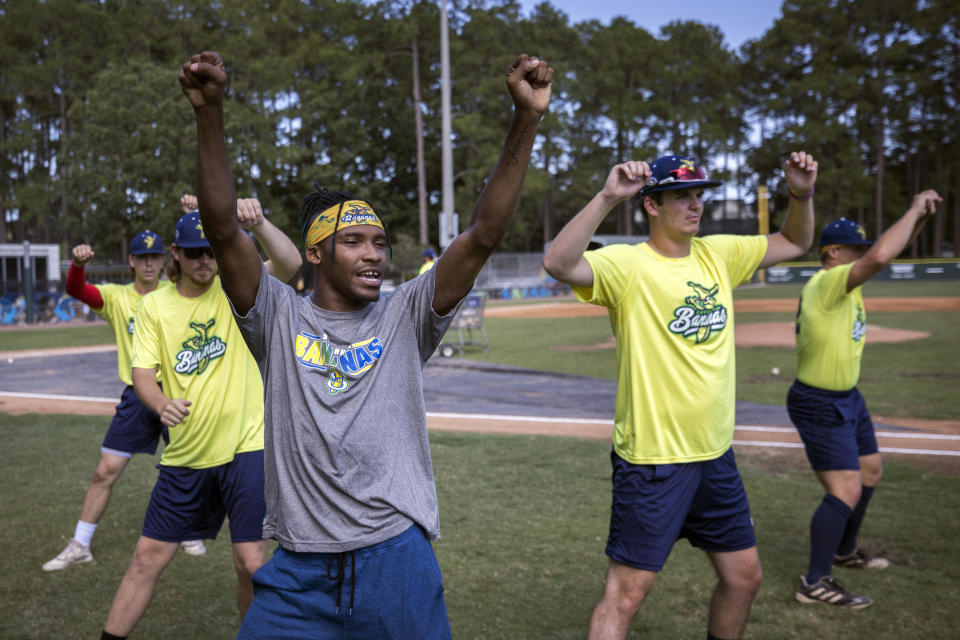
column 146, row 242
column 676, row 172
column 189, row 232
column 844, row 231
column 429, row 253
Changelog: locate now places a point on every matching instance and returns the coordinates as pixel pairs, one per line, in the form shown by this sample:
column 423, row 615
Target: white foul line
column 46, row 396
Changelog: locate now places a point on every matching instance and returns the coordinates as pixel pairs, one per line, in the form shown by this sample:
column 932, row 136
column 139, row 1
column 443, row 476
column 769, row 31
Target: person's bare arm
column 283, row 257
column 796, row 234
column 895, row 239
column 564, row 258
column 203, row 80
column 172, row 411
column 529, row 80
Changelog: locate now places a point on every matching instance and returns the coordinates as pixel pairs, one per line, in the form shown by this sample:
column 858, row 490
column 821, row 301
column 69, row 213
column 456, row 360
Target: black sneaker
column 828, row 591
column 860, row 560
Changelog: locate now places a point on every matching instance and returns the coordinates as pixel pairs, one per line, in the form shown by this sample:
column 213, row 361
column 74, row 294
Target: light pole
column 448, row 218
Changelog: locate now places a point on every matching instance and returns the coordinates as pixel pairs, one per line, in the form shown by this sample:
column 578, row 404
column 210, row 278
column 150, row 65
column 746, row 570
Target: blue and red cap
column 189, row 232
column 145, row 243
column 676, row 172
column 844, row 231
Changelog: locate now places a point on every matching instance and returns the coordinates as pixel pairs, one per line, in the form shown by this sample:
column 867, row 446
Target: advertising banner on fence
column 897, row 271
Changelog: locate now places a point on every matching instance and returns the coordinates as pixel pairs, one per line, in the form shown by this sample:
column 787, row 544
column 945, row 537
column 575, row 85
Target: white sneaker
column 193, row 547
column 73, row 553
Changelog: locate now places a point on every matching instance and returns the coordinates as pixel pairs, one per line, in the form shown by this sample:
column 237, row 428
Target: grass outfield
column 524, row 522
column 56, row 336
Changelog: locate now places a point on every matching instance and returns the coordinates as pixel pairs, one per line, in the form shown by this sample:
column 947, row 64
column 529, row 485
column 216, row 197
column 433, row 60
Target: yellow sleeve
column 146, row 336
column 831, row 289
column 614, row 269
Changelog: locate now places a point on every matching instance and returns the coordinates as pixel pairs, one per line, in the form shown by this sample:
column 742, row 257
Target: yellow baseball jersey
column 831, row 331
column 673, row 322
column 201, row 356
column 426, row 266
column 120, row 302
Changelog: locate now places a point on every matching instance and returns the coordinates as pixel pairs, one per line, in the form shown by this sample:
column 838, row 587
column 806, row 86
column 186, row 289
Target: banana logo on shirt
column 859, row 326
column 701, row 315
column 200, row 349
column 317, row 352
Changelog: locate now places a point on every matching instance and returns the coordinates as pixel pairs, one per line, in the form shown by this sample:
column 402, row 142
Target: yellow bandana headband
column 352, row 213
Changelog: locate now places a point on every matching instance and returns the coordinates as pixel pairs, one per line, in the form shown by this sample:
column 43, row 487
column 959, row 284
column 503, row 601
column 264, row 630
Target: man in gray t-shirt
column 349, row 483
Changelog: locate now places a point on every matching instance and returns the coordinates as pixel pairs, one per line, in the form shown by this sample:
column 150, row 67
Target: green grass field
column 524, row 522
column 524, row 518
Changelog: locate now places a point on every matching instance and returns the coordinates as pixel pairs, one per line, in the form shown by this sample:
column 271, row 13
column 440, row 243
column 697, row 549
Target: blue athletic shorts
column 134, row 428
column 390, row 590
column 655, row 505
column 190, row 504
column 835, row 426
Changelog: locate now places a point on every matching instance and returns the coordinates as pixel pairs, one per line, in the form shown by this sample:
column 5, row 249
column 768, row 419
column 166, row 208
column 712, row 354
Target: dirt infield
column 757, row 334
column 776, row 334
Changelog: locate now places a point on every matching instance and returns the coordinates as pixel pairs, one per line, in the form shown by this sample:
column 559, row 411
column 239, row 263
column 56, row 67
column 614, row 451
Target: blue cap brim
column 680, row 184
column 195, row 244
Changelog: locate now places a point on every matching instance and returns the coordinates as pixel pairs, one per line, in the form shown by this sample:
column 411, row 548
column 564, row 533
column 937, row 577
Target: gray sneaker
column 73, row 553
column 828, row 591
column 193, row 547
column 860, row 560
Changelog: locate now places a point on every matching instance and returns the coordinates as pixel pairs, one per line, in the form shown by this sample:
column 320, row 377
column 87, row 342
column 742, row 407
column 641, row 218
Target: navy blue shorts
column 835, row 426
column 190, row 504
column 655, row 505
column 390, row 590
column 134, row 428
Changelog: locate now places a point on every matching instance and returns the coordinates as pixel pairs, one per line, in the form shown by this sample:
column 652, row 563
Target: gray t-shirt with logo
column 346, row 454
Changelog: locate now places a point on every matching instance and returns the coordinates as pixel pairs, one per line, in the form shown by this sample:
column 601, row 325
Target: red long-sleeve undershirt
column 78, row 288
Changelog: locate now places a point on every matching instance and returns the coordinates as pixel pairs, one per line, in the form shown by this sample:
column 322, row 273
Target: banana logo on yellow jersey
column 200, row 349
column 701, row 315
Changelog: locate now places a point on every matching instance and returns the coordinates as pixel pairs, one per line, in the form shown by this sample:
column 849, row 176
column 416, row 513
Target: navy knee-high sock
column 848, row 544
column 826, row 529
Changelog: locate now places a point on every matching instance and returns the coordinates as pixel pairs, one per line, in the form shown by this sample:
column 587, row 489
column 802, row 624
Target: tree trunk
column 939, row 221
column 3, row 209
column 421, row 164
column 956, row 221
column 878, row 187
column 549, row 218
column 624, row 213
column 61, row 161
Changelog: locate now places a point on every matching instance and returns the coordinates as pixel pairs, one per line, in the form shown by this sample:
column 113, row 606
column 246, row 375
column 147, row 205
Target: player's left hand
column 203, row 79
column 800, row 170
column 926, row 203
column 249, row 212
column 529, row 80
column 189, row 203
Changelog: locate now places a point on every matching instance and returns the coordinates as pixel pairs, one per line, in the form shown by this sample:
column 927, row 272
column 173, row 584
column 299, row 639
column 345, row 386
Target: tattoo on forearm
column 513, row 153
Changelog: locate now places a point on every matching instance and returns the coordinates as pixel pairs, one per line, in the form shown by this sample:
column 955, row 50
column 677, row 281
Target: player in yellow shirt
column 671, row 310
column 134, row 428
column 825, row 405
column 212, row 403
column 429, row 257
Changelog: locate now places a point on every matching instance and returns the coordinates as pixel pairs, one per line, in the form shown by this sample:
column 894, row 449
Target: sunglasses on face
column 686, row 173
column 194, row 253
